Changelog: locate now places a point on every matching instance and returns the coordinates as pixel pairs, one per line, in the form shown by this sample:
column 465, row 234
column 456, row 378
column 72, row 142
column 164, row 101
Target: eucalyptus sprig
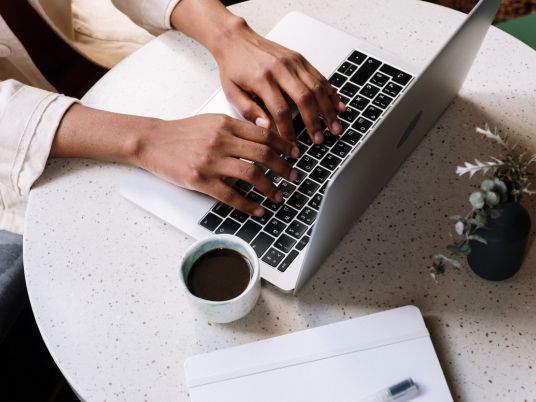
column 507, row 179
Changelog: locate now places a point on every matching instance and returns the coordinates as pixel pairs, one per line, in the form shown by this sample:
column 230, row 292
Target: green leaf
column 478, row 238
column 458, row 227
column 477, row 199
column 465, row 248
column 492, row 198
column 501, row 186
column 487, row 185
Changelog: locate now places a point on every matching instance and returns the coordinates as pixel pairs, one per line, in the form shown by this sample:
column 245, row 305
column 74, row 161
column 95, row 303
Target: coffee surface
column 219, row 275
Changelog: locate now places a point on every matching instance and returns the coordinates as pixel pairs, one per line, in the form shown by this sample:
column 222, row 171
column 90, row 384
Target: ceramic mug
column 227, row 310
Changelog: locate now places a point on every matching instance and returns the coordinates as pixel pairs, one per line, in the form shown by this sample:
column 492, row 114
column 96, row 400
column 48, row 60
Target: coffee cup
column 220, row 276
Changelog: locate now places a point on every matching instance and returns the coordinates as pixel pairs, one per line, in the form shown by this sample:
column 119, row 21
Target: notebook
column 342, row 362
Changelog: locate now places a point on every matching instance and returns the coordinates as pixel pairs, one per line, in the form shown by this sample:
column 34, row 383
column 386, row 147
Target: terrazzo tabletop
column 102, row 274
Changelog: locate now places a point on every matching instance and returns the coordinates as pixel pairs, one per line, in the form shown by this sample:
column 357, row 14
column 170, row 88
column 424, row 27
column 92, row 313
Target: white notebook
column 341, row 362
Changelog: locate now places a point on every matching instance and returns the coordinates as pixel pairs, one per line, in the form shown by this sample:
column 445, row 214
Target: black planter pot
column 507, row 238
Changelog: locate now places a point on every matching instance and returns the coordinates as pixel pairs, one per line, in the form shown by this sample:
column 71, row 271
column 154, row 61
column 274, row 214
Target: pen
column 406, row 389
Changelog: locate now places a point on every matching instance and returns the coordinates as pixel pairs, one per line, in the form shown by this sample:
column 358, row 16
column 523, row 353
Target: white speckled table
column 101, row 273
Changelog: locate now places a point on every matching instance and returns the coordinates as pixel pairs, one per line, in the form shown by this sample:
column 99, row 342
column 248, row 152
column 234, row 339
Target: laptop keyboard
column 368, row 87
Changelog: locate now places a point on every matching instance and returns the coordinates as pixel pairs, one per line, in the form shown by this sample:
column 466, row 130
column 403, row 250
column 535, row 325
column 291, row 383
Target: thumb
column 246, row 106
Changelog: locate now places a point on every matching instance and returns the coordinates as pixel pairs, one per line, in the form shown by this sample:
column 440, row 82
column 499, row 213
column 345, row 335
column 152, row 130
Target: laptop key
column 285, row 243
column 330, row 161
column 351, row 137
column 239, row 216
column 275, row 227
column 349, row 90
column 341, row 149
column 382, row 100
column 310, row 231
column 286, row 214
column 349, row 114
column 308, row 187
column 357, row 57
column 392, row 89
column 261, row 243
column 243, row 185
column 222, row 209
column 302, row 243
column 318, row 151
column 359, row 102
column 255, row 197
column 323, row 188
column 329, row 139
column 271, row 205
column 315, row 201
column 362, row 125
column 296, row 229
column 369, row 90
column 337, row 80
column 372, row 113
column 320, row 174
column 273, row 257
column 273, row 177
column 287, row 261
column 249, row 231
column 307, row 216
column 379, row 79
column 398, row 76
column 228, row 226
column 263, row 220
column 347, row 68
column 211, row 221
column 307, row 163
column 301, row 176
column 305, row 139
column 286, row 188
column 365, row 71
column 298, row 200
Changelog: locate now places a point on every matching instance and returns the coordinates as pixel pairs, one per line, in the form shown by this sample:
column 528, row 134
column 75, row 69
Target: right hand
column 200, row 152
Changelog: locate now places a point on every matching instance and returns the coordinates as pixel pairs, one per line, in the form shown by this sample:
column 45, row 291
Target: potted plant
column 493, row 234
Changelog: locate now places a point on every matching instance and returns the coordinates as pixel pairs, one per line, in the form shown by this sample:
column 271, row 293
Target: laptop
column 391, row 106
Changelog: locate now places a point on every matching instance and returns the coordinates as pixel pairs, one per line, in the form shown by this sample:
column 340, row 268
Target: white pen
column 406, row 389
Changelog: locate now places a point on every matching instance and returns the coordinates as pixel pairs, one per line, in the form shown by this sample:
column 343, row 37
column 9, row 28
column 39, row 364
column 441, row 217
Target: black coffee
column 220, row 274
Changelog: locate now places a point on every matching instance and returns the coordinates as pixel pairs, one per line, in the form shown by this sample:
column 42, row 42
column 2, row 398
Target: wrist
column 227, row 35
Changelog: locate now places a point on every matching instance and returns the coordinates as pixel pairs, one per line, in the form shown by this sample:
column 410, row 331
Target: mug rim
column 233, row 239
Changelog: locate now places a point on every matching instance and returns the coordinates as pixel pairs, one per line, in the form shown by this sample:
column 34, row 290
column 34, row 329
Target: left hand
column 251, row 65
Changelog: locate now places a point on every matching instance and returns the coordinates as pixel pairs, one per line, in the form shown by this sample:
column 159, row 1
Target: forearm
column 96, row 134
column 207, row 22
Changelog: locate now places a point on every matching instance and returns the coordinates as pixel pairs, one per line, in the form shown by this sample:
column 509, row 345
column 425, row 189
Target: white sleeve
column 153, row 15
column 29, row 118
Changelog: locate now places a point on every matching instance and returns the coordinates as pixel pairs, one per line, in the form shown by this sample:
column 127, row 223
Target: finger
column 306, row 102
column 252, row 174
column 259, row 135
column 244, row 105
column 216, row 188
column 279, row 109
column 266, row 156
column 331, row 91
column 323, row 99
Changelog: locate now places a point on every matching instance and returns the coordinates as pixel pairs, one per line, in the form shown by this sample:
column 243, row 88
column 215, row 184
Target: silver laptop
column 391, row 106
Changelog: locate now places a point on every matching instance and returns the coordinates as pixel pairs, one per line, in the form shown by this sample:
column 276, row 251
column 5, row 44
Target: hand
column 251, row 65
column 199, row 152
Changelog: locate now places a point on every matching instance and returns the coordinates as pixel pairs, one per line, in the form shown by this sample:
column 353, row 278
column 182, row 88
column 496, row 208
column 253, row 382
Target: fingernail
column 295, row 153
column 342, row 106
column 336, row 127
column 258, row 212
column 261, row 122
column 278, row 197
column 293, row 175
column 319, row 137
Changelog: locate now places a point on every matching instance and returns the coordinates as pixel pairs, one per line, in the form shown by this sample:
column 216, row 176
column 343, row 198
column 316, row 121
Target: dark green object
column 523, row 28
column 506, row 238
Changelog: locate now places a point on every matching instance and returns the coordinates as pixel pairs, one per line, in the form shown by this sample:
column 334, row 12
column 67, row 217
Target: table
column 101, row 273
